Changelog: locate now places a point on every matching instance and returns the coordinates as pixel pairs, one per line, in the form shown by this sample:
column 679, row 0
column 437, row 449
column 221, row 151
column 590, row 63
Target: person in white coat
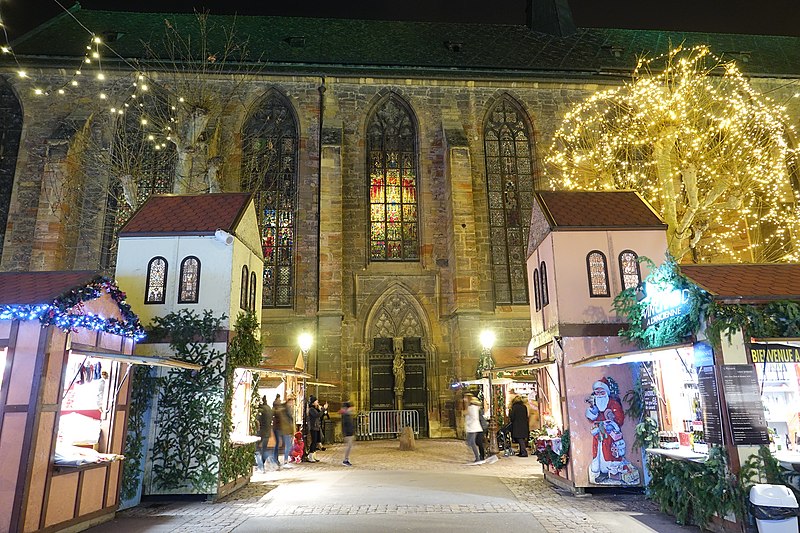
column 472, row 425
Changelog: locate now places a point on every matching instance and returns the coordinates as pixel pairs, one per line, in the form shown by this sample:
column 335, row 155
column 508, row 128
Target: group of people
column 521, row 422
column 278, row 421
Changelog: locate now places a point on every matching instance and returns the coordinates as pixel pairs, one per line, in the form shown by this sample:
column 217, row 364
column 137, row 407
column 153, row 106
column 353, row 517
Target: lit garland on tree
column 707, row 150
column 67, row 311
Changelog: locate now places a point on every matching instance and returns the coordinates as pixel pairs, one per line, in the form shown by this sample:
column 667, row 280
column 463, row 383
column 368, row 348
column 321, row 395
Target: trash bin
column 775, row 508
column 328, row 432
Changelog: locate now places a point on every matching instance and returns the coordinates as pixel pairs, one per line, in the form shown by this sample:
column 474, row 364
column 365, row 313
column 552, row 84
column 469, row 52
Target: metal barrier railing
column 389, row 422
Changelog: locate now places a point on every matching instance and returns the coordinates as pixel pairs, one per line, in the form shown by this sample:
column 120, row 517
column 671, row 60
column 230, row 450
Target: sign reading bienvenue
column 662, row 305
column 774, row 353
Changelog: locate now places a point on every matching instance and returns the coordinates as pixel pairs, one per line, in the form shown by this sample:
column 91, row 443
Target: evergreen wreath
column 549, row 458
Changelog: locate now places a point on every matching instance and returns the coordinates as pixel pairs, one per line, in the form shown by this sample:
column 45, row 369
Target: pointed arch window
column 597, row 268
column 189, row 281
column 509, row 181
column 243, row 288
column 156, row 283
column 392, row 166
column 10, row 132
column 253, row 287
column 545, row 292
column 537, row 302
column 269, row 169
column 629, row 269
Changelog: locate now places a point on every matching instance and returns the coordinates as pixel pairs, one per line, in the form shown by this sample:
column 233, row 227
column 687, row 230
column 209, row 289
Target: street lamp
column 487, row 339
column 305, row 340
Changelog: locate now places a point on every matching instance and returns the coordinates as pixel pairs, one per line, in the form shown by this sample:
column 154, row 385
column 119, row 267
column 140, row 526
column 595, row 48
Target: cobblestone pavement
column 432, row 485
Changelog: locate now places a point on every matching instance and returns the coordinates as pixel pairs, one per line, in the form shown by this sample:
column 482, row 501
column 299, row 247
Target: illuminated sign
column 662, row 305
column 774, row 353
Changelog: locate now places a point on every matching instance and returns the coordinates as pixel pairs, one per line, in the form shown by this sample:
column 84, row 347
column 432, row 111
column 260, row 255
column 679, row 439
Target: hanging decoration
column 67, row 312
column 553, row 452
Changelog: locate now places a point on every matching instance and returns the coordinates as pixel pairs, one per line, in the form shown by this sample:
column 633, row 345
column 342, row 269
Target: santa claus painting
column 609, row 465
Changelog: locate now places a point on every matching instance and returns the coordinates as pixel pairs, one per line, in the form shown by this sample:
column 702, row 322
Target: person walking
column 472, row 425
column 264, row 429
column 287, row 429
column 519, row 425
column 348, row 431
column 277, row 407
column 315, row 426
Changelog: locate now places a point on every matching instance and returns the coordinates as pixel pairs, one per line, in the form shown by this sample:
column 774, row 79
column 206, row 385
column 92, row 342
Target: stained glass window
column 629, row 269
column 10, row 131
column 269, row 168
column 392, row 164
column 190, row 281
column 243, row 288
column 509, row 179
column 156, row 282
column 536, row 296
column 545, row 292
column 598, row 274
column 253, row 287
column 140, row 168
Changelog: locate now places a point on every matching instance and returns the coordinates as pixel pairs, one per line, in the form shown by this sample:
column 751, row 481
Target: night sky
column 775, row 17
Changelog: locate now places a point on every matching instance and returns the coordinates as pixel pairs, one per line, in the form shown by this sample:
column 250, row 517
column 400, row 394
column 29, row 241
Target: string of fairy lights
column 89, row 69
column 706, row 149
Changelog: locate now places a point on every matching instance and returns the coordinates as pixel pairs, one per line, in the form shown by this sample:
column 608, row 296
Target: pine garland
column 549, row 458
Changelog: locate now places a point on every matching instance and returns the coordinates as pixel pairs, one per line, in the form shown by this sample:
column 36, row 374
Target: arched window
column 629, row 269
column 190, row 281
column 536, row 294
column 140, row 168
column 509, row 180
column 392, row 167
column 156, row 283
column 10, row 131
column 597, row 268
column 253, row 285
column 545, row 292
column 269, row 168
column 243, row 288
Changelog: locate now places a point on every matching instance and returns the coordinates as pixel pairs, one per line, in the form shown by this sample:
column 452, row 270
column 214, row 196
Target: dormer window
column 629, row 269
column 597, row 267
column 243, row 288
column 156, row 283
column 189, row 281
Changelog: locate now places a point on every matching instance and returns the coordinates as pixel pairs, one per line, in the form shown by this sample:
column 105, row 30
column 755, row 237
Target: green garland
column 244, row 350
column 143, row 386
column 550, row 458
column 780, row 318
column 672, row 330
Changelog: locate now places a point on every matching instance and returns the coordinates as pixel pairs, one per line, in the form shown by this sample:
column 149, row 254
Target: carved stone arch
column 411, row 316
column 272, row 92
column 380, row 98
column 505, row 96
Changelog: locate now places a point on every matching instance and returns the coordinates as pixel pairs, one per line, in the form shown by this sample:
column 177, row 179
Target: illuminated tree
column 708, row 151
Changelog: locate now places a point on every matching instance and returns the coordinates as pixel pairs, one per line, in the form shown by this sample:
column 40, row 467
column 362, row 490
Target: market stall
column 65, row 338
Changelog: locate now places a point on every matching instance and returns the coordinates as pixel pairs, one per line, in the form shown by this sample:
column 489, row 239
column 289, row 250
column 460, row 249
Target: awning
column 789, row 341
column 485, row 381
column 276, row 371
column 319, row 384
column 636, row 356
column 151, row 360
column 518, row 368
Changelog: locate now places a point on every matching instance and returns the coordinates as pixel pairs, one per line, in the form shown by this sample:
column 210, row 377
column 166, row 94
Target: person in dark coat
column 264, row 429
column 518, row 414
column 348, row 431
column 315, row 426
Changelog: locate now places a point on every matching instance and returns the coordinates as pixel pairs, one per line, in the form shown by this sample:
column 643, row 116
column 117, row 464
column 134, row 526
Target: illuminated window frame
column 543, row 278
column 603, row 271
column 243, row 304
column 253, row 286
column 635, row 261
column 149, row 282
column 537, row 302
column 187, row 286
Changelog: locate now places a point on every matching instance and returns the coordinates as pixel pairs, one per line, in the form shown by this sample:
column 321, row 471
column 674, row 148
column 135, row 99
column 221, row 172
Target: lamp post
column 487, row 339
column 305, row 340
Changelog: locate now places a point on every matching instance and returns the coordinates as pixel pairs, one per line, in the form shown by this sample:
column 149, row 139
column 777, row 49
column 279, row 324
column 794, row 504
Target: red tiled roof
column 186, row 214
column 747, row 281
column 589, row 209
column 31, row 288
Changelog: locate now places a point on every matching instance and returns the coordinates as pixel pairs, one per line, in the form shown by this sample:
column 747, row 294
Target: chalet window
column 509, row 182
column 392, row 167
column 189, row 281
column 243, row 288
column 545, row 292
column 269, row 168
column 253, row 285
column 156, row 283
column 598, row 274
column 629, row 269
column 536, row 286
